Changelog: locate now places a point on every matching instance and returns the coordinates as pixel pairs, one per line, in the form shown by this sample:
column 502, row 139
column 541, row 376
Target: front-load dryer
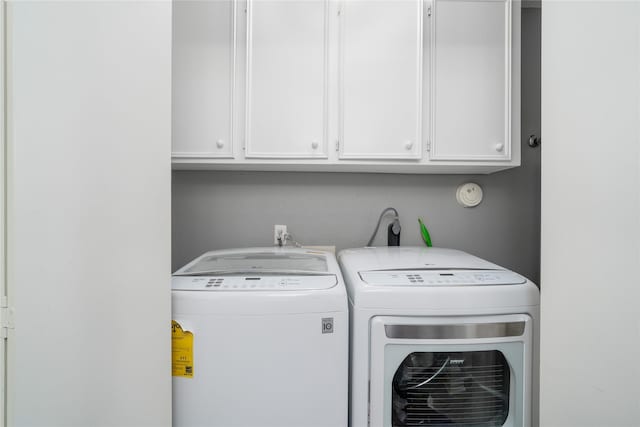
column 440, row 338
column 260, row 339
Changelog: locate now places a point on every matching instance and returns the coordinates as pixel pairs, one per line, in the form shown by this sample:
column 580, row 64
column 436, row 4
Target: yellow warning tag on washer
column 181, row 351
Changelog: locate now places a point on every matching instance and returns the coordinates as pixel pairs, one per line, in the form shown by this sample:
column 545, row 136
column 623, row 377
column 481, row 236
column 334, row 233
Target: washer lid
column 258, row 269
column 440, row 277
column 266, row 260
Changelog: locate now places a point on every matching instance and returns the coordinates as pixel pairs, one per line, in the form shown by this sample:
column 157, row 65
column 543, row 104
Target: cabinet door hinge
column 428, row 145
column 6, row 317
column 337, row 145
column 429, row 11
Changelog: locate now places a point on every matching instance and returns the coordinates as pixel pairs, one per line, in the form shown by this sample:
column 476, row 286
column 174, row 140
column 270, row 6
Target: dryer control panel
column 441, row 277
column 253, row 283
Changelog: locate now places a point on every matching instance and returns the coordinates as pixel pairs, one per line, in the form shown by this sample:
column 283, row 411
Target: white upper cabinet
column 471, row 80
column 381, row 79
column 401, row 86
column 286, row 79
column 203, row 78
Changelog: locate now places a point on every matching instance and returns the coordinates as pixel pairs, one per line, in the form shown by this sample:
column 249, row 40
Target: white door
column 88, row 213
column 381, row 79
column 204, row 53
column 4, row 310
column 590, row 246
column 471, row 80
column 287, row 78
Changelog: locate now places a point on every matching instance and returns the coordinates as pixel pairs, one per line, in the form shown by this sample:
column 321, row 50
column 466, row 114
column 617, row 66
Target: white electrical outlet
column 279, row 232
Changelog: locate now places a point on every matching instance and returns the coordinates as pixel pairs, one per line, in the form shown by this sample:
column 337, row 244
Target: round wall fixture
column 469, row 194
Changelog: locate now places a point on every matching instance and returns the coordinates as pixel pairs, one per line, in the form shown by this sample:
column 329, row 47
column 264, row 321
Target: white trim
column 323, row 150
column 341, row 55
column 200, row 155
column 232, row 92
column 507, row 73
column 426, row 97
column 432, row 80
column 247, row 80
column 3, row 147
column 3, row 205
column 396, row 166
column 384, row 156
column 325, row 91
column 420, row 78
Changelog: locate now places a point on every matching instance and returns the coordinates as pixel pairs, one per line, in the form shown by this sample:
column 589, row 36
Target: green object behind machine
column 425, row 233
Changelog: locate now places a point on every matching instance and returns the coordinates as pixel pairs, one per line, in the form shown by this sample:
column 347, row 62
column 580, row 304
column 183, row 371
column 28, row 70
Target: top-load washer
column 440, row 338
column 260, row 339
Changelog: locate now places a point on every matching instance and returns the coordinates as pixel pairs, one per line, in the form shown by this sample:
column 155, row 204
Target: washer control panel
column 253, row 283
column 441, row 278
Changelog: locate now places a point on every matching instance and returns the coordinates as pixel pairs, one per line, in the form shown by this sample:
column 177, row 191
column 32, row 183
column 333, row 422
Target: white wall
column 590, row 214
column 89, row 213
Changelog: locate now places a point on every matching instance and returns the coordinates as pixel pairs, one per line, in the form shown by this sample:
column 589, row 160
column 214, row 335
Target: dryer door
column 466, row 371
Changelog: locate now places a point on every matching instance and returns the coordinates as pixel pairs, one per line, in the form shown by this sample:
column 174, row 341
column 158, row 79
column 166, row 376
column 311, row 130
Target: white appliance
column 269, row 340
column 439, row 337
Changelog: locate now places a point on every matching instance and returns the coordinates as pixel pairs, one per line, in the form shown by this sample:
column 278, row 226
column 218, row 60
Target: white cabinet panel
column 286, row 93
column 203, row 78
column 471, row 70
column 381, row 79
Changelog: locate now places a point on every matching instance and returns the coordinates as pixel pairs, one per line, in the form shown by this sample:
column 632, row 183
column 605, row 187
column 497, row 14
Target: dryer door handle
column 455, row 331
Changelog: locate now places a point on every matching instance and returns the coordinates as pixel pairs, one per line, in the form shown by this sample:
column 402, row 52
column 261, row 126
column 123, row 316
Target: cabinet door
column 471, row 78
column 203, row 78
column 381, row 79
column 286, row 94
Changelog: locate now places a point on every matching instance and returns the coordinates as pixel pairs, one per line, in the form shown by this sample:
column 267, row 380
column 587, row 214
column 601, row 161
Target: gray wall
column 215, row 210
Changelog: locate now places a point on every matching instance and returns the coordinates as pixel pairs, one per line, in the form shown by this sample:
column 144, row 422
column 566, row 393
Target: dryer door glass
column 451, row 389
